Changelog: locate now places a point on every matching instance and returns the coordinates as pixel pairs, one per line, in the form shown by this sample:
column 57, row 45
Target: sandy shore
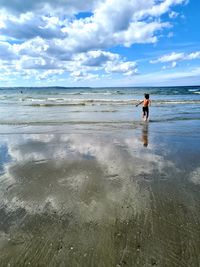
column 102, row 197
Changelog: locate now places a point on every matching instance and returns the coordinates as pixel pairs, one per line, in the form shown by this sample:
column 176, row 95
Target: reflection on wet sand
column 145, row 133
column 73, row 200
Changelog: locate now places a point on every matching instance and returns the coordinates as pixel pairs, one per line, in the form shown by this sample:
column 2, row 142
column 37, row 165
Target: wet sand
column 115, row 197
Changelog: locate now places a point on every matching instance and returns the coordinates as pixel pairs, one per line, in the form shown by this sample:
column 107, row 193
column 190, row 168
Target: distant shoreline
column 85, row 87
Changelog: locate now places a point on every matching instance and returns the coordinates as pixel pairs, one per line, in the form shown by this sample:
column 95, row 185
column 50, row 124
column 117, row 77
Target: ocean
column 59, row 106
column 84, row 181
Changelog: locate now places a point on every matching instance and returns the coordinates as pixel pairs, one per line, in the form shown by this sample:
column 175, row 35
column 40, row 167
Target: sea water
column 55, row 105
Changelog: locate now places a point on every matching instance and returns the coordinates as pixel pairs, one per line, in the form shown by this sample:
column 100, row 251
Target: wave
column 57, row 104
column 95, row 98
column 165, row 102
column 193, row 90
column 32, row 99
column 84, row 102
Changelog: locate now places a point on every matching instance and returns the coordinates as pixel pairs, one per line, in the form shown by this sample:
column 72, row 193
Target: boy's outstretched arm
column 139, row 103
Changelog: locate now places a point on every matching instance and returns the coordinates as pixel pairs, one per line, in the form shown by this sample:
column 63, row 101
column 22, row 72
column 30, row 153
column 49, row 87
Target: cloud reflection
column 91, row 177
column 195, row 176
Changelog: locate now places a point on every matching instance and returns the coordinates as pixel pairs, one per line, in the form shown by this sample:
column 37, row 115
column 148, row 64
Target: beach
column 85, row 182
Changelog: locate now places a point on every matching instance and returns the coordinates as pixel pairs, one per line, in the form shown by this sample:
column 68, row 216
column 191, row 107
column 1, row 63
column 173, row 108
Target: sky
column 99, row 43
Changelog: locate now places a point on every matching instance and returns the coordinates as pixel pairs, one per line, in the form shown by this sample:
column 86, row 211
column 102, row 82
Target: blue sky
column 99, row 43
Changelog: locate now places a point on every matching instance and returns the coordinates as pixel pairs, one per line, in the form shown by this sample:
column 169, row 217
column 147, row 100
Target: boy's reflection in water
column 145, row 129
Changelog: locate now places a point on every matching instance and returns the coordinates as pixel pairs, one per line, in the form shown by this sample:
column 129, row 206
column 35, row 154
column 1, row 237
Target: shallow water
column 95, row 186
column 50, row 106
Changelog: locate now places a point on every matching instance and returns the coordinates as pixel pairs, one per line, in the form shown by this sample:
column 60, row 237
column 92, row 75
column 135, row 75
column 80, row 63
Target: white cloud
column 194, row 55
column 174, row 57
column 170, row 34
column 34, row 55
column 173, row 15
column 139, row 32
column 70, row 6
column 6, row 52
column 157, row 10
column 28, row 26
column 49, row 73
column 112, row 23
column 173, row 65
column 27, row 62
column 96, row 58
column 49, row 36
column 83, row 75
column 110, row 62
column 169, row 58
column 127, row 68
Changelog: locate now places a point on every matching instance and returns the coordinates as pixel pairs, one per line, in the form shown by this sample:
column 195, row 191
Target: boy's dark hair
column 146, row 96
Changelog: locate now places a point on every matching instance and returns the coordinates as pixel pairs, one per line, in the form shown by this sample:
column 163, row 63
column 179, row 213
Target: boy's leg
column 147, row 112
column 144, row 113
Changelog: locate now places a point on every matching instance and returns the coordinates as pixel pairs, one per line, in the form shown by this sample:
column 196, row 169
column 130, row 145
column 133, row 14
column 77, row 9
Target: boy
column 146, row 103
